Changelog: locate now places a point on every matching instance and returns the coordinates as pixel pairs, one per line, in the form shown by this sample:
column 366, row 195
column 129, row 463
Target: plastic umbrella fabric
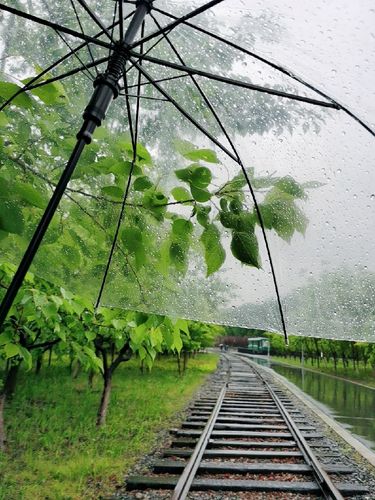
column 230, row 180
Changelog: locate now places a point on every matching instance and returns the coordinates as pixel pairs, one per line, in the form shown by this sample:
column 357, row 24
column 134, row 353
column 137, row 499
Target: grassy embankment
column 54, row 449
column 359, row 374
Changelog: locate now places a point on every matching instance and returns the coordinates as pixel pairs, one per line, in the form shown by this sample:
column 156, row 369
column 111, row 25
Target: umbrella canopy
column 231, row 180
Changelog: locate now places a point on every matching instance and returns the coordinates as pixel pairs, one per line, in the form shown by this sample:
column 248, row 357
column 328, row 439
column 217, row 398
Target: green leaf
column 214, row 251
column 71, row 255
column 180, row 194
column 235, row 184
column 312, row 184
column 8, row 89
column 228, row 219
column 236, row 206
column 49, row 310
column 3, row 119
column 119, row 324
column 156, row 337
column 201, row 176
column 11, row 350
column 264, row 182
column 29, row 194
column 244, row 247
column 182, row 227
column 202, row 213
column 183, row 146
column 245, row 222
column 26, row 356
column 113, row 192
column 133, row 241
column 90, row 335
column 282, row 214
column 51, row 94
column 156, row 202
column 138, row 334
column 178, row 254
column 183, row 325
column 143, row 154
column 11, row 218
column 5, row 338
column 201, row 195
column 142, row 183
column 177, row 340
column 184, row 174
column 202, row 154
column 196, row 175
column 288, row 185
column 224, row 204
column 267, row 216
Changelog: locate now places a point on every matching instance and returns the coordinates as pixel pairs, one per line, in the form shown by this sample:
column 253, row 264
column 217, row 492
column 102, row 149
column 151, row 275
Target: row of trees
column 46, row 318
column 317, row 350
column 355, row 354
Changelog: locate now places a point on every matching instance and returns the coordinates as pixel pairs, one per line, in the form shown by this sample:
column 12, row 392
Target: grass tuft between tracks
column 55, row 450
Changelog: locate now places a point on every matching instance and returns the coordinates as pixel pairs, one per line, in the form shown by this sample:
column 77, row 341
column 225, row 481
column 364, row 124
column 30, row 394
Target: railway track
column 245, row 437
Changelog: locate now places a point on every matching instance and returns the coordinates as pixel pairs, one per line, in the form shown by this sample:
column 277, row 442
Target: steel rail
column 188, row 474
column 328, row 489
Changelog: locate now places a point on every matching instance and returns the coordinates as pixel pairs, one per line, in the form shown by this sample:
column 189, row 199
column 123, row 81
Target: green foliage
column 214, row 251
column 36, row 133
column 54, row 448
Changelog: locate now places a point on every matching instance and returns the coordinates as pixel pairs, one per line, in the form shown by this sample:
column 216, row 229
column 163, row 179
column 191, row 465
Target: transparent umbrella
column 230, row 178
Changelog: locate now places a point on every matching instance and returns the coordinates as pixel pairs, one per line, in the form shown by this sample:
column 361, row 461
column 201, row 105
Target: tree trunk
column 179, row 364
column 2, row 426
column 91, row 378
column 186, row 354
column 104, row 401
column 9, row 386
column 39, row 362
column 76, row 370
column 50, row 356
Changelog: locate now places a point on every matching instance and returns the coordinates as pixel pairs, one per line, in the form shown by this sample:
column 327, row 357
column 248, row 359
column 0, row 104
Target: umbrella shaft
column 143, row 7
column 106, row 85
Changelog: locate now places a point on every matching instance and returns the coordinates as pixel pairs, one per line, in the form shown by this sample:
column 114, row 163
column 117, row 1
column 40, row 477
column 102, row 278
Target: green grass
column 54, row 449
column 362, row 375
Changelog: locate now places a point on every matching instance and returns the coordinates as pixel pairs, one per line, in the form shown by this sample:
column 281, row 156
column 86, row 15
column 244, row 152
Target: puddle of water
column 352, row 405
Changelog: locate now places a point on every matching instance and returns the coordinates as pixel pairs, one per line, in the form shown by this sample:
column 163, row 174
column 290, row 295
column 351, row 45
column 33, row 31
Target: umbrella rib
column 177, row 22
column 120, row 14
column 134, row 138
column 183, row 111
column 276, row 66
column 54, row 26
column 223, row 148
column 198, row 87
column 90, row 75
column 144, row 97
column 68, row 73
column 82, row 30
column 236, row 83
column 53, row 66
column 161, row 80
column 252, row 192
column 95, row 18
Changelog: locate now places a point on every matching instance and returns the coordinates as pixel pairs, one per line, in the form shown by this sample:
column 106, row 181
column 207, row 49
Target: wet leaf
column 11, row 218
column 244, row 247
column 214, row 251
